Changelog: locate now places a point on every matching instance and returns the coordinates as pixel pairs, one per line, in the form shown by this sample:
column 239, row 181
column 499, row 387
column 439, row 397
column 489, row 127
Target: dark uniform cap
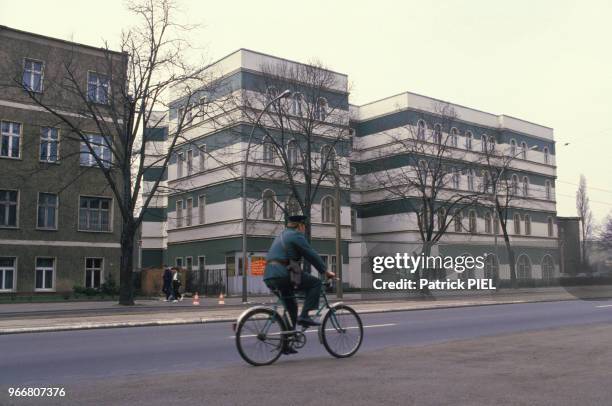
column 297, row 219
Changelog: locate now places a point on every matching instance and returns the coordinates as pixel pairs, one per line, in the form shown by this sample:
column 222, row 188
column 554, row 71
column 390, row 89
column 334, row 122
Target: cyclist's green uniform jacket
column 297, row 247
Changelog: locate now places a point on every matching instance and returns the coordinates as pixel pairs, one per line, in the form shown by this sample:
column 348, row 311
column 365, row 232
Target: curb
column 202, row 320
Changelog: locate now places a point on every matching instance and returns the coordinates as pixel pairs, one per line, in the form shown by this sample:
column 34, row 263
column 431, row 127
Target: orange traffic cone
column 221, row 299
column 196, row 299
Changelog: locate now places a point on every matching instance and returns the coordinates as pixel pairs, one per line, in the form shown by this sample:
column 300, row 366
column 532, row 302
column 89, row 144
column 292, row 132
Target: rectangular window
column 97, row 88
column 94, row 214
column 202, row 209
column 179, row 213
column 45, row 268
column 93, row 272
column 189, row 214
column 47, row 211
column 11, row 136
column 201, row 263
column 202, row 158
column 101, row 149
column 49, row 144
column 8, row 270
column 33, row 75
column 178, row 262
column 189, row 162
column 189, row 263
column 8, row 208
column 179, row 165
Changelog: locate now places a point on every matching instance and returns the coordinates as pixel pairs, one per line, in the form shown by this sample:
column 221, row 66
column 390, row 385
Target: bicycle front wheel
column 341, row 331
column 260, row 336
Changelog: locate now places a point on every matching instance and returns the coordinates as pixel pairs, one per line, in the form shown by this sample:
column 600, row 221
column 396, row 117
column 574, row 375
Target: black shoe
column 289, row 351
column 307, row 322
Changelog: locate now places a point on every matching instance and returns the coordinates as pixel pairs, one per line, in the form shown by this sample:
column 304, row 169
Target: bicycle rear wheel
column 259, row 336
column 341, row 331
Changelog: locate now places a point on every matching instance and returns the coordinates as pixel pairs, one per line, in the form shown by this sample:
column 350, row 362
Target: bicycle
column 262, row 334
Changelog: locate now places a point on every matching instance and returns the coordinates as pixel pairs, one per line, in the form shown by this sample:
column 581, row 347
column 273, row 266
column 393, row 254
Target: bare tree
column 420, row 167
column 130, row 87
column 586, row 216
column 298, row 140
column 605, row 235
column 504, row 192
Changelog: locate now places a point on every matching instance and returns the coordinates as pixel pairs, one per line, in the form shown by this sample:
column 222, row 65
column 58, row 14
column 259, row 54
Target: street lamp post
column 284, row 94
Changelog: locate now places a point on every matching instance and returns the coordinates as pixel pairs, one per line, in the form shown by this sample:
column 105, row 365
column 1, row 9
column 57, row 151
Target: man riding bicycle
column 289, row 245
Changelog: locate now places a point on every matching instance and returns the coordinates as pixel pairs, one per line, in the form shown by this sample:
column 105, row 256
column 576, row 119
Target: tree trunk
column 126, row 289
column 513, row 280
column 424, row 271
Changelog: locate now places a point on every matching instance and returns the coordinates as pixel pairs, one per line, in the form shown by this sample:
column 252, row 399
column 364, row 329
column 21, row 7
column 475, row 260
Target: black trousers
column 311, row 286
column 176, row 287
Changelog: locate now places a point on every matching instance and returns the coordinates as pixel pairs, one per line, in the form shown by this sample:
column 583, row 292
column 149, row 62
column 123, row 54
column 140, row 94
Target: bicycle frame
column 325, row 305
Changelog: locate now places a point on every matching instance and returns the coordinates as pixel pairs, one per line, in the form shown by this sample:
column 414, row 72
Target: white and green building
column 199, row 222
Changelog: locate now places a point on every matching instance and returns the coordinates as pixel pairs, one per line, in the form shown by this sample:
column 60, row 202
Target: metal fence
column 208, row 282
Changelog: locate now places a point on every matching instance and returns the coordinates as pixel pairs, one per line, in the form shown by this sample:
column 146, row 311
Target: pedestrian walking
column 176, row 286
column 167, row 283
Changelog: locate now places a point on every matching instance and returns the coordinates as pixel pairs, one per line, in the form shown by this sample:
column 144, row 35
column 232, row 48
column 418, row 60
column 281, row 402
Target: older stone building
column 59, row 223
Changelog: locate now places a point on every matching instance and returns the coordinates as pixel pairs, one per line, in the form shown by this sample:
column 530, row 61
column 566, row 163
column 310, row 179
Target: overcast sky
column 548, row 62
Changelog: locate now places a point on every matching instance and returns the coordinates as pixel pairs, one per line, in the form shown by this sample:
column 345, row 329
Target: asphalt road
column 156, row 356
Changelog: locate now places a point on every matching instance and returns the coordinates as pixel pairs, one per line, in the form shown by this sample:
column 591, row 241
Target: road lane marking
column 604, row 306
column 329, row 329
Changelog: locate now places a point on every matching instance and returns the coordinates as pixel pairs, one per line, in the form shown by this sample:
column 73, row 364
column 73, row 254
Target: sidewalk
column 45, row 317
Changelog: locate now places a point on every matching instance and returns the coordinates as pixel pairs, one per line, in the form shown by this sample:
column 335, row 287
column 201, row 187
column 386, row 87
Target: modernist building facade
column 203, row 217
column 59, row 224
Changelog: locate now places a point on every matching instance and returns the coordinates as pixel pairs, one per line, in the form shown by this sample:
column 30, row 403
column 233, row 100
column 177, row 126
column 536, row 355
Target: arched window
column 438, row 134
column 472, row 222
column 422, row 170
column 487, row 221
column 523, row 150
column 525, row 186
column 458, row 221
column 441, row 217
column 512, row 148
column 353, row 220
column 484, row 143
column 328, row 211
column 486, row 181
column 523, row 267
column 328, row 157
column 292, row 153
column 421, row 130
column 515, row 185
column 455, row 178
column 527, row 219
column 551, row 227
column 298, row 101
column 269, row 152
column 491, row 267
column 548, row 269
column 321, row 112
column 470, row 179
column 271, row 93
column 491, row 143
column 353, row 177
column 516, row 219
column 269, row 206
column 454, row 137
column 468, row 140
column 546, row 156
column 292, row 207
column 548, row 190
